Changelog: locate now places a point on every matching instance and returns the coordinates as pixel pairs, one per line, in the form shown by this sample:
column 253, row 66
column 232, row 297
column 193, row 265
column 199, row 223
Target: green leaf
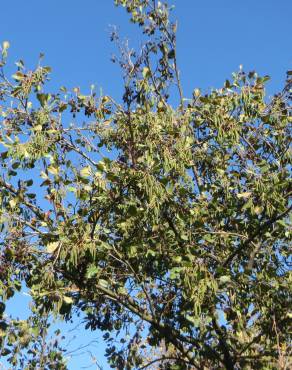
column 193, row 320
column 53, row 170
column 266, row 78
column 5, row 352
column 171, row 54
column 103, row 283
column 224, row 279
column 51, row 247
column 244, row 195
column 47, row 69
column 92, row 271
column 2, row 308
column 18, row 76
column 175, row 273
column 15, row 165
column 132, row 210
column 5, row 45
column 85, row 172
column 67, row 300
column 29, row 182
column 43, row 99
column 146, row 72
column 12, row 202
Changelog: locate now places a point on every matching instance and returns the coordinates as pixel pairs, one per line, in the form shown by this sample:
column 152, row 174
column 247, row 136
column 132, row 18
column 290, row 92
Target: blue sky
column 214, row 38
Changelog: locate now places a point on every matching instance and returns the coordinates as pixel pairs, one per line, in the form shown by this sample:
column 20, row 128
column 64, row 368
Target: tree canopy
column 163, row 219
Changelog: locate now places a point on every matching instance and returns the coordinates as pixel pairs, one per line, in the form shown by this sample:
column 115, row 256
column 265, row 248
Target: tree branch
column 259, row 232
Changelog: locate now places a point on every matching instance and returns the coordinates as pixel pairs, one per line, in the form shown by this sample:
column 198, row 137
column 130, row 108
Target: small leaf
column 18, row 76
column 132, row 210
column 171, row 54
column 177, row 259
column 29, row 182
column 38, row 128
column 92, row 271
column 4, row 155
column 175, row 273
column 15, row 165
column 266, row 78
column 85, row 172
column 5, row 352
column 244, row 195
column 224, row 279
column 12, row 202
column 20, row 64
column 2, row 308
column 51, row 247
column 103, row 283
column 258, row 210
column 43, row 99
column 197, row 92
column 227, row 84
column 67, row 300
column 53, row 170
column 5, row 45
column 146, row 72
column 122, row 290
column 193, row 320
column 47, row 69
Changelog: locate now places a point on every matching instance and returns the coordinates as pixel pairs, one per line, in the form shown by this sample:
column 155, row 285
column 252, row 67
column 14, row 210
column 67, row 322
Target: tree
column 168, row 227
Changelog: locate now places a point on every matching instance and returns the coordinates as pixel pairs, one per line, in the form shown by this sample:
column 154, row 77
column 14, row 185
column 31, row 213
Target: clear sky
column 214, row 38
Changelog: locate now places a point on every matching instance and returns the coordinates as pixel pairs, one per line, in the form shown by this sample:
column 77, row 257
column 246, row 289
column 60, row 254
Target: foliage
column 167, row 227
column 25, row 344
